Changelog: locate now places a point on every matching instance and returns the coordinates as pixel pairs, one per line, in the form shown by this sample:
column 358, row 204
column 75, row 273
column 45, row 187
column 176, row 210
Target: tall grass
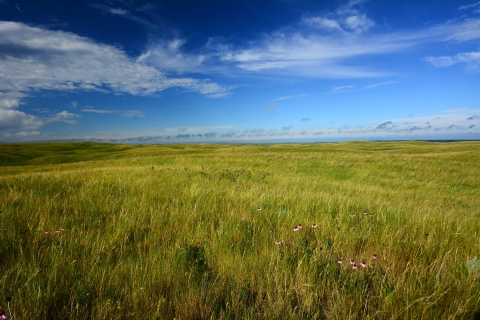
column 164, row 232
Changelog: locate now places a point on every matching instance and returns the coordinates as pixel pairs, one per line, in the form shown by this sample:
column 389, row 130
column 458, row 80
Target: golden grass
column 156, row 232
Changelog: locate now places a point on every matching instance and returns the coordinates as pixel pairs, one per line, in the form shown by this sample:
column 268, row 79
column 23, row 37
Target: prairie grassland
column 174, row 231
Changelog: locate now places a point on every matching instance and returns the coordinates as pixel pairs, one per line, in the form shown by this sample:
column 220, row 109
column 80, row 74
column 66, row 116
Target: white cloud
column 378, row 85
column 347, row 19
column 10, row 100
column 317, row 55
column 121, row 13
column 124, row 113
column 167, row 55
column 325, row 46
column 92, row 110
column 14, row 120
column 33, row 58
column 358, row 23
column 463, row 31
column 474, row 6
column 290, row 97
column 28, row 133
column 470, row 59
column 340, row 89
column 323, row 23
column 118, row 11
column 9, row 103
column 469, row 6
column 218, row 95
column 66, row 117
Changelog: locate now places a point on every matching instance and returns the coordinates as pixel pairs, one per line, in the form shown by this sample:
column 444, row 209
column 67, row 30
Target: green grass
column 156, row 232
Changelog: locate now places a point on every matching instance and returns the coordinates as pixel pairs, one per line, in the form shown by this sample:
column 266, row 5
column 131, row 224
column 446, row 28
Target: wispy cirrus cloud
column 341, row 89
column 168, row 56
column 121, row 12
column 372, row 86
column 325, row 46
column 218, row 95
column 99, row 111
column 460, row 30
column 318, row 46
column 124, row 113
column 470, row 59
column 290, row 97
column 310, row 55
column 473, row 6
column 350, row 88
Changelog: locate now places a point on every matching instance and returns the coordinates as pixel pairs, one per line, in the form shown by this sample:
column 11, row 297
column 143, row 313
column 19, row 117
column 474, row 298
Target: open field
column 174, row 231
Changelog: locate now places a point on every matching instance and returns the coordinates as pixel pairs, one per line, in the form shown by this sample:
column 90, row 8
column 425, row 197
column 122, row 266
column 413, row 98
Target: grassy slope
column 157, row 231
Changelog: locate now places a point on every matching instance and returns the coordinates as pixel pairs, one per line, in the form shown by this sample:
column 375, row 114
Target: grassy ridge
column 173, row 231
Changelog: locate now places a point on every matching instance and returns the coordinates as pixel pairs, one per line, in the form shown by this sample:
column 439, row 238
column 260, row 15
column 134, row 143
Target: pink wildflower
column 365, row 212
column 314, row 225
column 259, row 209
column 244, row 218
column 363, row 264
column 354, row 267
column 296, row 229
column 299, row 226
column 374, row 256
column 340, row 261
column 352, row 262
column 279, row 242
column 47, row 231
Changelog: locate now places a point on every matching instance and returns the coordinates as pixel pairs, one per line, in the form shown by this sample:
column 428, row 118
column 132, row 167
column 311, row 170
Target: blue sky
column 239, row 70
